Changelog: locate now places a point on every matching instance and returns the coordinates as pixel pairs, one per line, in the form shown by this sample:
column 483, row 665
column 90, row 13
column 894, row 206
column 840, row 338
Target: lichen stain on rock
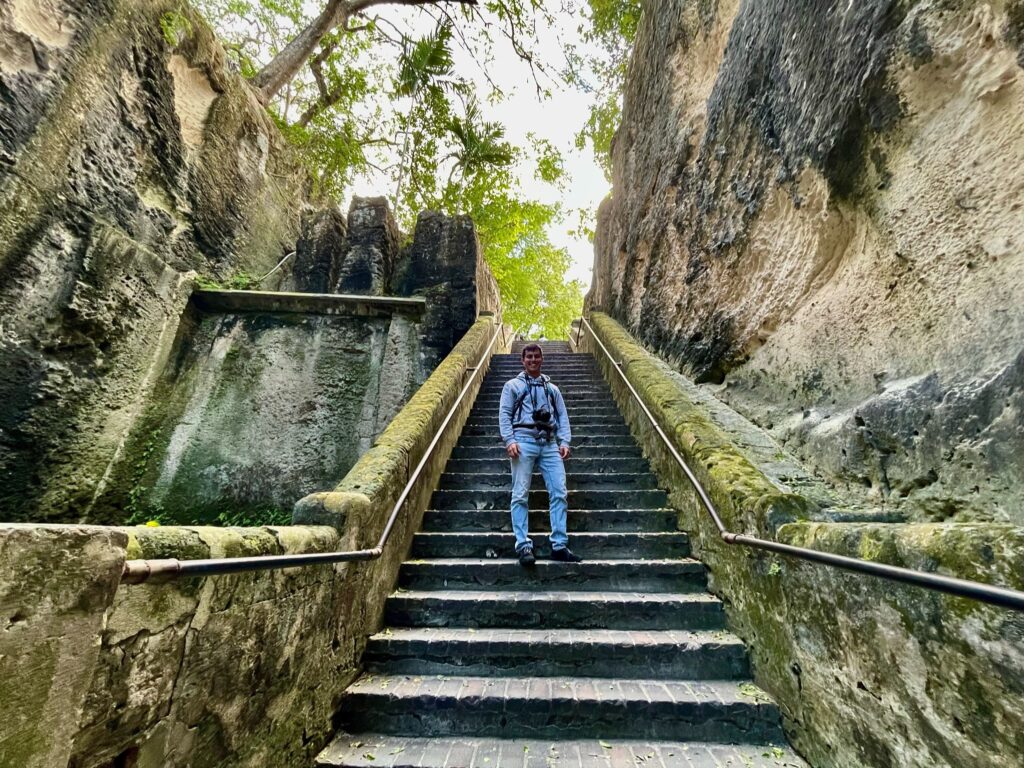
column 193, row 97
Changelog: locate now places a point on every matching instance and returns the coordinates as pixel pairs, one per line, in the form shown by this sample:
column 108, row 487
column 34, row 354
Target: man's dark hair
column 531, row 348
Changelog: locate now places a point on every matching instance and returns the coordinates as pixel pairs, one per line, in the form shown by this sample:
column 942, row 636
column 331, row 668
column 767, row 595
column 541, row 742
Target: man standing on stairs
column 535, row 428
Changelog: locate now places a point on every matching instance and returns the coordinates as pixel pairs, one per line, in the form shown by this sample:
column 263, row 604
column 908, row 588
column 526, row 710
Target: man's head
column 533, row 358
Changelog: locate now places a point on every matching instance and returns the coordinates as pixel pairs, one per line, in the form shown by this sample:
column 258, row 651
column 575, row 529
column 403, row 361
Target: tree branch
column 283, row 67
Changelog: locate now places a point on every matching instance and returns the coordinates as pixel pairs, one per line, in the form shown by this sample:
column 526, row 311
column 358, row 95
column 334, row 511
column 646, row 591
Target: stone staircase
column 621, row 660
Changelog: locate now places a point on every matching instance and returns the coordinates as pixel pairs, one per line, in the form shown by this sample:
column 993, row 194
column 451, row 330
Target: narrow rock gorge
column 817, row 212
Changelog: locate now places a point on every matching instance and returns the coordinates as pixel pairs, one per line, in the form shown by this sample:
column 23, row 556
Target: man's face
column 532, row 361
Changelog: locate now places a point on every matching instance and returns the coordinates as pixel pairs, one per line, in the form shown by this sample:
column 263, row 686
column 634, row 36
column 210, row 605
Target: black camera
column 542, row 415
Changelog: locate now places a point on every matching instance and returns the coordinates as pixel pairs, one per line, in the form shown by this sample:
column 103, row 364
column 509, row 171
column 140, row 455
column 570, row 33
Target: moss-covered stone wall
column 869, row 674
column 224, row 671
column 257, row 409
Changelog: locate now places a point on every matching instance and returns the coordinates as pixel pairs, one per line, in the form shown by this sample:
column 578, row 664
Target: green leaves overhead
column 383, row 95
column 610, row 27
column 425, row 63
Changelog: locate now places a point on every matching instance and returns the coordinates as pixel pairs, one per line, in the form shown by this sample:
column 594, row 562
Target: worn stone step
column 606, row 426
column 573, row 478
column 374, row 750
column 541, row 707
column 618, row 575
column 662, row 655
column 556, row 374
column 587, row 464
column 629, row 545
column 486, row 448
column 554, row 609
column 579, row 520
column 594, row 389
column 576, row 408
column 579, row 440
column 538, row 499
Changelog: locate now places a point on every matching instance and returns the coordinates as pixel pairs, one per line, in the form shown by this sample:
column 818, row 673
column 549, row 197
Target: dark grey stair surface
column 620, row 660
column 551, row 609
column 580, row 520
column 633, row 544
column 379, row 751
column 611, row 481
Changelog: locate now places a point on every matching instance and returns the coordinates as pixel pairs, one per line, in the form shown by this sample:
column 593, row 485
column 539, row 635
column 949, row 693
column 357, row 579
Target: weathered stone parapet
column 868, row 673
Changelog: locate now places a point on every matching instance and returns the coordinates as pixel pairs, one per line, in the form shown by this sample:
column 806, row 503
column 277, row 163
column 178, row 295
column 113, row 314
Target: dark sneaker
column 565, row 556
column 526, row 556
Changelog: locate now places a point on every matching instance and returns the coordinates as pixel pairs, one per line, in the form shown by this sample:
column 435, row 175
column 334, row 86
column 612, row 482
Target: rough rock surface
column 443, row 263
column 318, row 253
column 257, row 410
column 131, row 159
column 372, row 248
column 817, row 207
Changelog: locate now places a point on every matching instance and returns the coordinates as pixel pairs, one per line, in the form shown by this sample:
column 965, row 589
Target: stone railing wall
column 868, row 673
column 236, row 670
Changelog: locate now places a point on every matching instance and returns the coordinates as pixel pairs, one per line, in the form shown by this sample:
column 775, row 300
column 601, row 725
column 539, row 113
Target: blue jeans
column 543, row 453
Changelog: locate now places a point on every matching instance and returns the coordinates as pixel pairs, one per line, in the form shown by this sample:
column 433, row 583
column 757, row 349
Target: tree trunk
column 283, row 67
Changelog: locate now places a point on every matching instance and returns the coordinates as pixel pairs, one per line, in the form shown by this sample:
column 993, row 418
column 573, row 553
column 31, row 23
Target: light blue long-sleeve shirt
column 510, row 393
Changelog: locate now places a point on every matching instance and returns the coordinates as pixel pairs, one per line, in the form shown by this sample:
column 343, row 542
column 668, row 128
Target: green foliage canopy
column 384, row 98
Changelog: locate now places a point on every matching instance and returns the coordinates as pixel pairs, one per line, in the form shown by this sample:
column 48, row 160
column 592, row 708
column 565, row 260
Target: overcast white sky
column 557, row 119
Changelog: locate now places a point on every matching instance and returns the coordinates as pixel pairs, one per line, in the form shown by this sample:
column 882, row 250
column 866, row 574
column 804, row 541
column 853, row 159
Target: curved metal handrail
column 138, row 571
column 1005, row 598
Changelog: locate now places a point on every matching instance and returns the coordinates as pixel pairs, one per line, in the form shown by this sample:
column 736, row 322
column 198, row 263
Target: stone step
column 538, row 499
column 583, row 447
column 489, row 410
column 595, row 389
column 373, row 750
column 574, row 479
column 663, row 655
column 587, row 419
column 604, row 425
column 575, row 404
column 541, row 707
column 618, row 575
column 587, row 464
column 579, row 440
column 555, row 372
column 579, row 520
column 604, row 546
column 552, row 610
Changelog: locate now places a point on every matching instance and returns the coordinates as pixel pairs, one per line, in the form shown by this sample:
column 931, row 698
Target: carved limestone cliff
column 131, row 160
column 818, row 206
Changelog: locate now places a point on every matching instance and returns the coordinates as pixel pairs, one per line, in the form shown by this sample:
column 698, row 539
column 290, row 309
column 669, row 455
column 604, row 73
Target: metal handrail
column 138, row 571
column 1005, row 598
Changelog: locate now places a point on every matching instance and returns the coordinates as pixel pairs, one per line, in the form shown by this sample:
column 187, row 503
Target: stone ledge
column 308, row 303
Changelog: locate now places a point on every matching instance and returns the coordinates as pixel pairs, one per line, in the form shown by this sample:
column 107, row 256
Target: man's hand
column 564, row 451
column 512, row 449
